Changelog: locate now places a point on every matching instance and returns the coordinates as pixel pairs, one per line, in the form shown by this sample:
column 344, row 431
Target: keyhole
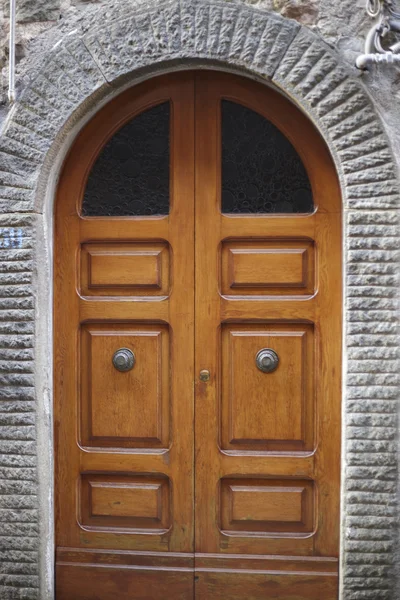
column 204, row 375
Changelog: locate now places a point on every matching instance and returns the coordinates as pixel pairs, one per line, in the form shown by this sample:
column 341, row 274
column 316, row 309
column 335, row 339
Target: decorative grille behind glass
column 131, row 174
column 261, row 171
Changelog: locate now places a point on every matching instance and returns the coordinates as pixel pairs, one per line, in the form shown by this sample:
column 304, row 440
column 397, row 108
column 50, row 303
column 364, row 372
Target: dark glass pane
column 131, row 174
column 261, row 171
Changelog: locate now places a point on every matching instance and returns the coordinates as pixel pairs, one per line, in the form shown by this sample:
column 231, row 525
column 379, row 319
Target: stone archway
column 87, row 67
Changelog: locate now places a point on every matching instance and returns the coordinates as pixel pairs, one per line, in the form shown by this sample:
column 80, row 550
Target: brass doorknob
column 123, row 359
column 267, row 360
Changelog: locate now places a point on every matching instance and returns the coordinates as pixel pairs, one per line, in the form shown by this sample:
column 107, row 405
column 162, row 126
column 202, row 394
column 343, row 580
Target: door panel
column 124, row 440
column 197, row 349
column 236, row 584
column 268, row 267
column 102, row 575
column 133, row 269
column 267, row 411
column 267, row 443
column 125, row 503
column 125, row 409
column 267, row 506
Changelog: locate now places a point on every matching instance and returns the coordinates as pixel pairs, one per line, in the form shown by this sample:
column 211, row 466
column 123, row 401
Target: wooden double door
column 197, row 365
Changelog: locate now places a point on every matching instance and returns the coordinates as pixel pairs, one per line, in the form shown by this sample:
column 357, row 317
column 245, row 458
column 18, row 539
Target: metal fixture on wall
column 380, row 48
column 11, row 64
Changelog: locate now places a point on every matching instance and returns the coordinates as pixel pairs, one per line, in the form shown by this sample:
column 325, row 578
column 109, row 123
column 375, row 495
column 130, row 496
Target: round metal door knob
column 123, row 359
column 267, row 360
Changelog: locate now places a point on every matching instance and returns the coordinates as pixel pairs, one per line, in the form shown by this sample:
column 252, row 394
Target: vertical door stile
column 207, row 311
column 181, row 231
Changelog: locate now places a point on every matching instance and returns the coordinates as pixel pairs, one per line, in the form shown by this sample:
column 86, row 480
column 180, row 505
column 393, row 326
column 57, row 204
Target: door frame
column 45, row 184
column 51, row 198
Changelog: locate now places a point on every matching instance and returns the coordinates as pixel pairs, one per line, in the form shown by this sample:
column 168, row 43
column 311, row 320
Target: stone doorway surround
column 122, row 45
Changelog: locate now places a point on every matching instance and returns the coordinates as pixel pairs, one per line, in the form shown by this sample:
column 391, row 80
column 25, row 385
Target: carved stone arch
column 115, row 48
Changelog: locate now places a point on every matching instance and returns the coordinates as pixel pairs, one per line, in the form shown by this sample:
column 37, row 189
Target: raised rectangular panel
column 125, row 269
column 267, row 506
column 124, row 502
column 125, row 409
column 268, row 267
column 268, row 411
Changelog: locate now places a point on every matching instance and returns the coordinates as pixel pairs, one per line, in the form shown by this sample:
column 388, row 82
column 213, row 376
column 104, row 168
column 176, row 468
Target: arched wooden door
column 197, row 369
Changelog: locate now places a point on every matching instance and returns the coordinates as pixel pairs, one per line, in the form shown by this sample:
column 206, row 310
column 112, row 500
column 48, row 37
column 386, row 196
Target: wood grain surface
column 168, row 485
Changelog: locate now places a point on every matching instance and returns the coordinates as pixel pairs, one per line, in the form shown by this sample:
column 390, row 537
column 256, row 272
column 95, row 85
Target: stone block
column 31, row 11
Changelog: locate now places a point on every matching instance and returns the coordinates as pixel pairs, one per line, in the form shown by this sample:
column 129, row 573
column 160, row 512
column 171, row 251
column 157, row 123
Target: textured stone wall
column 19, row 528
column 342, row 23
column 52, row 86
